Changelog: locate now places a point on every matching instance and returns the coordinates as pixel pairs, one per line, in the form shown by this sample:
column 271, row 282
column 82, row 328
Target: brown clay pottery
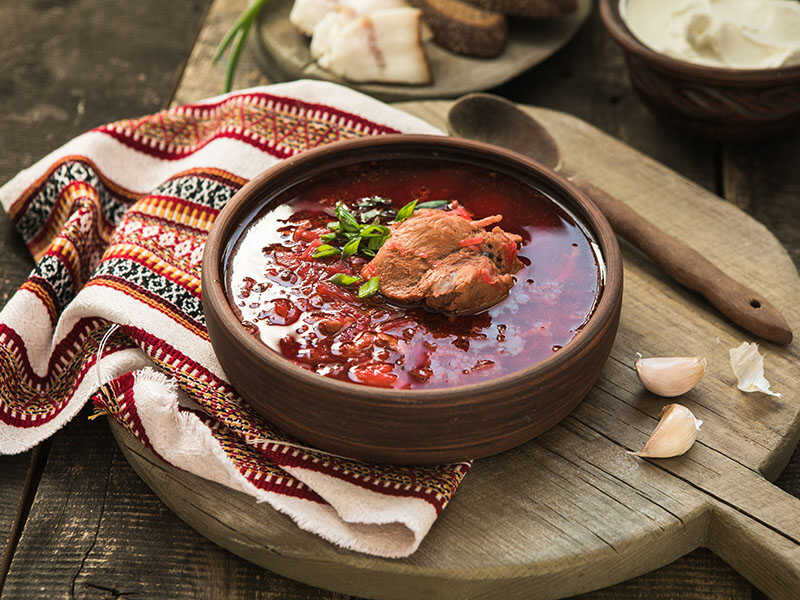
column 422, row 426
column 723, row 104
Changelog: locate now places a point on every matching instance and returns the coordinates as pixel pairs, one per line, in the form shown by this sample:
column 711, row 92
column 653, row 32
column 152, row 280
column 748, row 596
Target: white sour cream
column 736, row 34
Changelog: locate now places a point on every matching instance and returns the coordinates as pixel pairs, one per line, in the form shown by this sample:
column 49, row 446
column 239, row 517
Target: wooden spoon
column 497, row 121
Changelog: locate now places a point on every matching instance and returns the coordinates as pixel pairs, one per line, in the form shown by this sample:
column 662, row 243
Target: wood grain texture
column 68, row 66
column 96, row 531
column 743, row 305
column 202, row 79
column 12, row 505
column 574, row 508
column 15, row 264
column 586, row 78
column 763, row 180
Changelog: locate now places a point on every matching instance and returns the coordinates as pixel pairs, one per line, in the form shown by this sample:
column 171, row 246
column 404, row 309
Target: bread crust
column 464, row 28
column 534, row 9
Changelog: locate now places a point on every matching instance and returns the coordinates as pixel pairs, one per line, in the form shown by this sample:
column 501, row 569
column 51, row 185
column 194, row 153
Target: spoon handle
column 739, row 303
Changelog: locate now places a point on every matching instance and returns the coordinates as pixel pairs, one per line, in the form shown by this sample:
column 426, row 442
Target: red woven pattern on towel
column 87, row 230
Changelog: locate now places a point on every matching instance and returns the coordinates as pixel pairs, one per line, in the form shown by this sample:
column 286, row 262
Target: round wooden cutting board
column 573, row 511
column 283, row 53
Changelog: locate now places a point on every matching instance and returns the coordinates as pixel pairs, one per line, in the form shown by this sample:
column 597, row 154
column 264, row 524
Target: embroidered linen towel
column 116, row 220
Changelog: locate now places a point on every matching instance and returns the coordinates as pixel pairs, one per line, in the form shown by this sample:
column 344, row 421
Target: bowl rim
column 237, row 209
column 619, row 30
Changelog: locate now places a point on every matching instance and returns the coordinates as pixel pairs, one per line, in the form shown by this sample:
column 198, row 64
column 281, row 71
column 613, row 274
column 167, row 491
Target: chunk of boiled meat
column 465, row 282
column 448, row 261
column 413, row 247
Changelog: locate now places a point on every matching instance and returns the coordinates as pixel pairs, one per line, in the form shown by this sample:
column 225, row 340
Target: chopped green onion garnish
column 366, row 238
column 434, row 204
column 344, row 279
column 406, row 211
column 347, row 221
column 351, row 247
column 324, row 250
column 369, row 287
column 375, row 243
column 371, row 231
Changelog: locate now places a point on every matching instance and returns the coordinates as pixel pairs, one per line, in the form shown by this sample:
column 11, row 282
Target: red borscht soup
column 294, row 287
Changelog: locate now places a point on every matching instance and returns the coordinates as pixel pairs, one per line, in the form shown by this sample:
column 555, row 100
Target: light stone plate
column 283, row 53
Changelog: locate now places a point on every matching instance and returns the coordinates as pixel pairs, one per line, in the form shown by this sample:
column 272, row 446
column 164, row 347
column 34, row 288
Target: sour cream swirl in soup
column 736, row 34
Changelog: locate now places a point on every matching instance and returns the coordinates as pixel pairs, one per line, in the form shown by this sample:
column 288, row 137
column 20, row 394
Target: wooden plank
column 589, row 80
column 700, row 575
column 68, row 67
column 22, row 79
column 96, row 531
column 208, row 86
column 632, row 177
column 575, row 506
column 12, row 506
column 202, row 79
column 763, row 180
column 569, row 81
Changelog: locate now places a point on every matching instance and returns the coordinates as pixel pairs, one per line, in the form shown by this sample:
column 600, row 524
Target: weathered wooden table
column 77, row 520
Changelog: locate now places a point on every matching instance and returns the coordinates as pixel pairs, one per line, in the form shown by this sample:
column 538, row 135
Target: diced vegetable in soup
column 422, row 274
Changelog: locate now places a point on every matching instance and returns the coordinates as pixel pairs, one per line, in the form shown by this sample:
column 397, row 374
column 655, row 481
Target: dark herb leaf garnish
column 374, row 209
column 433, row 204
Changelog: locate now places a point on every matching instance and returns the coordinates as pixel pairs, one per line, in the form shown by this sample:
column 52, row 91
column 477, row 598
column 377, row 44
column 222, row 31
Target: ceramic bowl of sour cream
column 724, row 69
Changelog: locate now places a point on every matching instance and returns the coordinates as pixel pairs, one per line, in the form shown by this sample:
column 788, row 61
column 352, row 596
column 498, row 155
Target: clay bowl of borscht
column 412, row 299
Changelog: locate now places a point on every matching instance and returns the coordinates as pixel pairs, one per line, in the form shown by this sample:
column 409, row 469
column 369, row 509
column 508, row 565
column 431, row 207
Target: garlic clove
column 670, row 376
column 748, row 366
column 674, row 434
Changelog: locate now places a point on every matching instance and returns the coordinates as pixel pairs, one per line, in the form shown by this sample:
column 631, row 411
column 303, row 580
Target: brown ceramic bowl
column 723, row 104
column 407, row 426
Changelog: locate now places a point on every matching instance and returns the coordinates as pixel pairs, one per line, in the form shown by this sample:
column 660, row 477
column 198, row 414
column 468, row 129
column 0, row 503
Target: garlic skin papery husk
column 674, row 434
column 670, row 376
column 748, row 366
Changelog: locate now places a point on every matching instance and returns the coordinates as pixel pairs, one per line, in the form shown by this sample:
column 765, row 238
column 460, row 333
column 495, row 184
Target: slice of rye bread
column 464, row 28
column 534, row 9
